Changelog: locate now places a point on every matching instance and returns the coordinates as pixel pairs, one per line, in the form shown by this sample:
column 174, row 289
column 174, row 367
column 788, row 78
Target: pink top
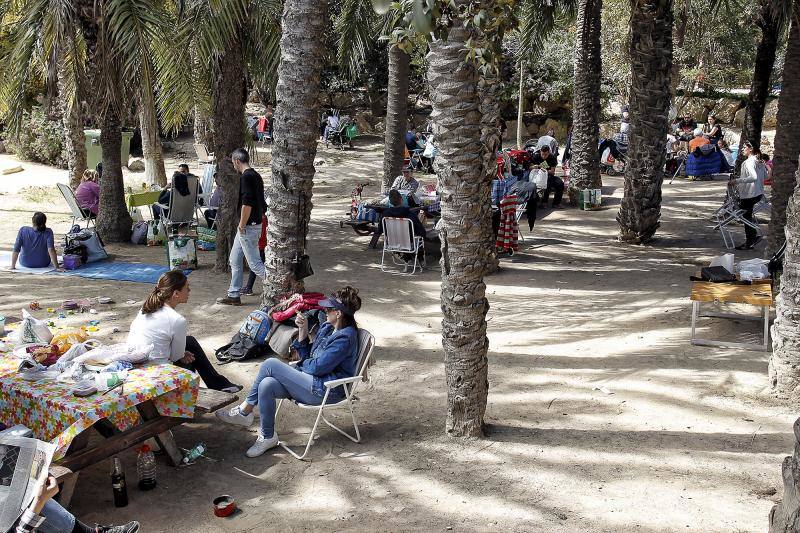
column 88, row 196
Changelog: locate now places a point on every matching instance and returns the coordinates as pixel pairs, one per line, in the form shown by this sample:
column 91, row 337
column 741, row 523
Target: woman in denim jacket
column 333, row 355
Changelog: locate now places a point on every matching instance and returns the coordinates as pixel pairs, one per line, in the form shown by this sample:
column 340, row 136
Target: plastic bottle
column 118, row 484
column 146, row 468
column 194, row 453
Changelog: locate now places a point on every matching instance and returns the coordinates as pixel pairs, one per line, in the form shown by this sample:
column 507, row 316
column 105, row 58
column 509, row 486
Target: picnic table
column 153, row 400
column 144, row 198
column 759, row 294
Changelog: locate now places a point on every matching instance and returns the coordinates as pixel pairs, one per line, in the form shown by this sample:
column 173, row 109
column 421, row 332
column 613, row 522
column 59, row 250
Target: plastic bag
column 31, row 331
column 539, row 178
column 753, row 269
column 117, row 352
column 76, row 350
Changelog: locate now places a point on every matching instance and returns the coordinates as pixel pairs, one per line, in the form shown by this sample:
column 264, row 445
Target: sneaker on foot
column 246, row 292
column 262, row 445
column 229, row 300
column 130, row 527
column 233, row 388
column 235, row 416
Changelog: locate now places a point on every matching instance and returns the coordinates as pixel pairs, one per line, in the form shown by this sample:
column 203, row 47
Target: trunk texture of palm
column 489, row 89
column 396, row 115
column 456, row 115
column 296, row 130
column 113, row 221
column 154, row 171
column 202, row 127
column 229, row 94
column 74, row 141
column 787, row 136
column 585, row 163
column 784, row 362
column 769, row 22
column 651, row 62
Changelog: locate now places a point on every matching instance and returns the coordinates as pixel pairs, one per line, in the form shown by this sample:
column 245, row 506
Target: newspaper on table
column 23, row 462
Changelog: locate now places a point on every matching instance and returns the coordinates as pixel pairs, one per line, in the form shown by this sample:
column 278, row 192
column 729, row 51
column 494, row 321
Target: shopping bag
column 539, row 178
column 182, row 253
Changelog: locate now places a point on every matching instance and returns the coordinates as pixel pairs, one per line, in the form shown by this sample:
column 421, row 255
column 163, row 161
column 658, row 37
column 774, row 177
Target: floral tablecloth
column 55, row 415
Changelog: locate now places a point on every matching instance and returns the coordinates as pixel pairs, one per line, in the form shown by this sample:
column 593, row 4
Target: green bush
column 39, row 140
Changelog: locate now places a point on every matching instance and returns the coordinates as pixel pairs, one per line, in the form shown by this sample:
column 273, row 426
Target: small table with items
column 759, row 293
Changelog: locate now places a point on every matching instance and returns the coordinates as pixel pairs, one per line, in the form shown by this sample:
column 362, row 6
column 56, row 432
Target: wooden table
column 758, row 294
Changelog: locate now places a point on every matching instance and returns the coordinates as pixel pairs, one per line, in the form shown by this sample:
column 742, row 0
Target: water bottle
column 146, row 468
column 194, row 453
column 118, row 484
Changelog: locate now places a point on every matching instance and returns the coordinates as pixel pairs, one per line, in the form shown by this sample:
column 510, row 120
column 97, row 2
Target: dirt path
column 683, row 442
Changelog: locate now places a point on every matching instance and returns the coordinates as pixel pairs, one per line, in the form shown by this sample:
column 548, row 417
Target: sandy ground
column 680, row 440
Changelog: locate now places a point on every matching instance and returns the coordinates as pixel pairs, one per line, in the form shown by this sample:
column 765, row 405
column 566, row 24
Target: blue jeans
column 276, row 380
column 56, row 519
column 245, row 246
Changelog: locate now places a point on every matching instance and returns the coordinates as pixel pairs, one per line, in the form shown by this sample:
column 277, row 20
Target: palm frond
column 261, row 42
column 356, row 26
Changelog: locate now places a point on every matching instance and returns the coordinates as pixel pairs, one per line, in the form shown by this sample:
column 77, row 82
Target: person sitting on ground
column 750, row 186
column 406, row 183
column 88, row 194
column 46, row 515
column 159, row 324
column 725, row 150
column 546, row 160
column 35, row 245
column 713, row 130
column 210, row 214
column 685, row 127
column 698, row 140
column 332, row 355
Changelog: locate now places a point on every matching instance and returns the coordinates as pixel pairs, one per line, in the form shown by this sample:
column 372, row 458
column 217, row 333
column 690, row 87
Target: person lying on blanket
column 159, row 324
column 35, row 246
column 333, row 355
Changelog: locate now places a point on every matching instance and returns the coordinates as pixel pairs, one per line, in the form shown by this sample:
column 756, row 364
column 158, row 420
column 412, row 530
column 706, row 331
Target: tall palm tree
column 456, row 116
column 69, row 96
column 771, row 19
column 154, row 171
column 787, row 135
column 784, row 361
column 651, row 62
column 295, row 144
column 396, row 114
column 584, row 164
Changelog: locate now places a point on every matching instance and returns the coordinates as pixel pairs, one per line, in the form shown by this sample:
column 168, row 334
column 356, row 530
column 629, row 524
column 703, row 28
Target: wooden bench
column 209, row 400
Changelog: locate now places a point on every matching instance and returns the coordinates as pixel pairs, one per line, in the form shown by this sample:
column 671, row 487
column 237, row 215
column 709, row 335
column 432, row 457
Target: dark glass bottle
column 118, row 484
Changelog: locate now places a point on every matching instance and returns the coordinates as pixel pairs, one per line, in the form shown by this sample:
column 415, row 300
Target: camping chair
column 208, row 189
column 399, row 238
column 181, row 208
column 366, row 342
column 520, row 212
column 729, row 213
column 203, row 155
column 415, row 161
column 78, row 214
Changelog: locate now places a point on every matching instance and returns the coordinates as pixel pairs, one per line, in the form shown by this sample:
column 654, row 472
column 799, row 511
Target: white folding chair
column 77, row 213
column 366, row 342
column 399, row 238
column 208, row 188
column 181, row 208
column 203, row 155
column 415, row 162
column 520, row 212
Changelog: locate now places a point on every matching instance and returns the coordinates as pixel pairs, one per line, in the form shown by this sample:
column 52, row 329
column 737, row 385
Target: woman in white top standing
column 751, row 188
column 159, row 324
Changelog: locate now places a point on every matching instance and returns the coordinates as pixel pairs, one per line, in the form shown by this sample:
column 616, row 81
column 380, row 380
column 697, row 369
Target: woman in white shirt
column 751, row 188
column 159, row 324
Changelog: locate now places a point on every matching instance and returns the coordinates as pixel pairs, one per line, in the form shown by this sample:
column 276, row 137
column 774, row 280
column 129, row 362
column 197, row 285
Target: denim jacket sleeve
column 330, row 357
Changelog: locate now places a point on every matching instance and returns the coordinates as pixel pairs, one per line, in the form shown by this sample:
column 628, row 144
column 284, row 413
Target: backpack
column 250, row 342
column 256, row 326
column 139, row 234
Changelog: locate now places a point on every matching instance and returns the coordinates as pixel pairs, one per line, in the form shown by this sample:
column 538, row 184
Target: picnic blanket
column 54, row 415
column 5, row 264
column 138, row 272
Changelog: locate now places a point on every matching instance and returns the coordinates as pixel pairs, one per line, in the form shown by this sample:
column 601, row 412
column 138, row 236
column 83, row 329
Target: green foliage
column 39, row 139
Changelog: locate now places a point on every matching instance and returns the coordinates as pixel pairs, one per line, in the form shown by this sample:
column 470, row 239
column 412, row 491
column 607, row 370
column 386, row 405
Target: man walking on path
column 252, row 207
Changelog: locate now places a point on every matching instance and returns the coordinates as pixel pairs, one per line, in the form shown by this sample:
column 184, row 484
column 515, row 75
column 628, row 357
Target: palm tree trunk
column 113, row 221
column 296, row 131
column 489, row 88
column 585, row 164
column 453, row 85
column 651, row 60
column 154, row 171
column 784, row 363
column 787, row 135
column 769, row 22
column 521, row 104
column 396, row 115
column 74, row 140
column 202, row 127
column 229, row 95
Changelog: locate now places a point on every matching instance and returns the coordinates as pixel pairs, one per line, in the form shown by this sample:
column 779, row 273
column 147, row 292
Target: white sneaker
column 235, row 416
column 262, row 445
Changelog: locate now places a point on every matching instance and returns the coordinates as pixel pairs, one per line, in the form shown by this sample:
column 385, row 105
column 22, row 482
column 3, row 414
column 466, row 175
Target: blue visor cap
column 332, row 302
